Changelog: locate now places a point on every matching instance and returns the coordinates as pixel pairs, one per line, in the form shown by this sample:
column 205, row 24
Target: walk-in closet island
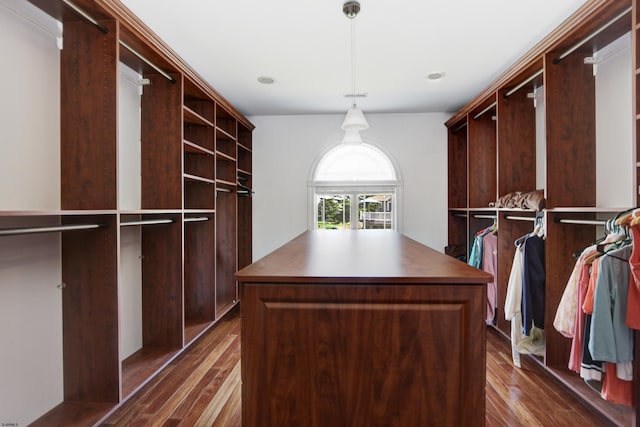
column 362, row 327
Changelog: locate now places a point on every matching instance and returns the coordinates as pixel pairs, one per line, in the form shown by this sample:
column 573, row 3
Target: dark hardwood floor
column 202, row 388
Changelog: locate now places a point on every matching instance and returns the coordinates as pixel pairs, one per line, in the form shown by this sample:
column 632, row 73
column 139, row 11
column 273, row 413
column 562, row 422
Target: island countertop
column 362, row 256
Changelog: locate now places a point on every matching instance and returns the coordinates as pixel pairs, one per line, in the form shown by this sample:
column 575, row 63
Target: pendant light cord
column 353, row 59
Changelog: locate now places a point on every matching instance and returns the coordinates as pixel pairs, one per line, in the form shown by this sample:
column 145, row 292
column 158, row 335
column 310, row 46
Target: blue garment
column 610, row 339
column 533, row 284
column 475, row 259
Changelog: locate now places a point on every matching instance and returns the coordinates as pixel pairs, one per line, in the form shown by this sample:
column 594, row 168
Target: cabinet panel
column 516, row 136
column 226, row 255
column 161, row 144
column 482, row 160
column 571, row 134
column 89, row 95
column 199, row 274
column 372, row 342
column 90, row 311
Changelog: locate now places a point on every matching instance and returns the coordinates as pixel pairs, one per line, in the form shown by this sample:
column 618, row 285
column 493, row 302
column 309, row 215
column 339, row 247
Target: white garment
column 520, row 343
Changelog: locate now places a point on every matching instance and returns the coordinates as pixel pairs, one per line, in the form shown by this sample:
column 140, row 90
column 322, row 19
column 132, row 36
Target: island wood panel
column 348, row 355
column 362, row 328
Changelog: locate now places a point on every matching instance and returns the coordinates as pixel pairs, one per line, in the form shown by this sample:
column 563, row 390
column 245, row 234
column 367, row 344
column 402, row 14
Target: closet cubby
column 161, row 279
column 549, row 132
column 148, row 245
column 226, row 124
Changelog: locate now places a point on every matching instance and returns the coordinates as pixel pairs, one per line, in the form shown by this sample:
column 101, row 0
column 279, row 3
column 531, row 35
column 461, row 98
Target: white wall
column 30, row 108
column 285, row 149
column 30, row 302
column 615, row 155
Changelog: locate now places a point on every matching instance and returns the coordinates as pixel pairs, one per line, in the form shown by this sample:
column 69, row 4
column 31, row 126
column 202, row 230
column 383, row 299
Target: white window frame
column 353, row 188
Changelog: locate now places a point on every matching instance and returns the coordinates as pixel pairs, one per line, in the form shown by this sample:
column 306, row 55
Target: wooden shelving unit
column 492, row 146
column 193, row 227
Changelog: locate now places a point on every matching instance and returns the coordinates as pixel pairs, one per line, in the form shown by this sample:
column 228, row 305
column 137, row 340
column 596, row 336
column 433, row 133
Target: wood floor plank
column 203, row 387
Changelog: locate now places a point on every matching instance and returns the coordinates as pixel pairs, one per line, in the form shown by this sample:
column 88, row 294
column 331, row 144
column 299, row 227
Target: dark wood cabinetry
column 338, row 333
column 497, row 143
column 192, row 218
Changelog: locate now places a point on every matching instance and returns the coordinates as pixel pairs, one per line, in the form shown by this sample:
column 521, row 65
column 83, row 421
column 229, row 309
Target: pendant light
column 352, row 137
column 355, row 120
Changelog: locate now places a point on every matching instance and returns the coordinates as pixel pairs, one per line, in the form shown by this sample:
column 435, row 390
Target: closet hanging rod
column 86, row 16
column 146, row 61
column 517, row 88
column 224, row 190
column 459, row 215
column 462, row 126
column 196, row 219
column 47, row 229
column 590, row 36
column 521, row 218
column 481, row 216
column 484, row 111
column 244, row 192
column 582, row 221
column 146, row 222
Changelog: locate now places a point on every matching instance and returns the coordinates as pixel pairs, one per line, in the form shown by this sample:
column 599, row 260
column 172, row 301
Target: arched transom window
column 354, row 187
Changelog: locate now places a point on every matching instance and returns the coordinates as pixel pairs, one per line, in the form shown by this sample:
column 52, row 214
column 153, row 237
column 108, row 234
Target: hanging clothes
column 603, row 294
column 582, row 270
column 484, row 256
column 534, row 343
column 633, row 303
column 490, row 265
column 590, row 369
column 611, row 340
column 533, row 284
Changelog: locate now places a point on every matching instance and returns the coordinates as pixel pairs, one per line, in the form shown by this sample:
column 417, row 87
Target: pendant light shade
column 352, row 137
column 355, row 120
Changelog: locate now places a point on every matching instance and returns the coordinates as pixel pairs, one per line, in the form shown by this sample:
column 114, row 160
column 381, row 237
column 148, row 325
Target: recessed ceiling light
column 436, row 75
column 266, row 80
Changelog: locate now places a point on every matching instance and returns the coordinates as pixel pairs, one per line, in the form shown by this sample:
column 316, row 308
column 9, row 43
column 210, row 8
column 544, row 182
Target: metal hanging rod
column 582, row 221
column 244, row 192
column 482, row 216
column 517, row 88
column 589, row 37
column 521, row 218
column 196, row 219
column 86, row 16
column 484, row 111
column 47, row 229
column 459, row 215
column 462, row 126
column 224, row 190
column 146, row 61
column 146, row 222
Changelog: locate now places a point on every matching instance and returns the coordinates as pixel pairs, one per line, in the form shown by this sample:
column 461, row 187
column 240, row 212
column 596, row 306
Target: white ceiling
column 305, row 46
